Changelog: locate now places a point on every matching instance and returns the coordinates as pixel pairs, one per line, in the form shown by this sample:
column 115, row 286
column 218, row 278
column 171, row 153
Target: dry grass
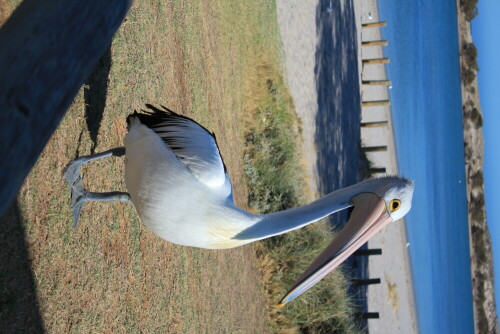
column 112, row 274
column 392, row 295
column 4, row 11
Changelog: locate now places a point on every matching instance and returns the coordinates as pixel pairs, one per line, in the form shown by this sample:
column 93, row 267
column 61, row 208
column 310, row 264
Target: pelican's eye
column 394, row 205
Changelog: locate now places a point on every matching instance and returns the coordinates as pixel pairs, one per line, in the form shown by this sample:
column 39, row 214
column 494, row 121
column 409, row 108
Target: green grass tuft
column 276, row 182
column 271, row 158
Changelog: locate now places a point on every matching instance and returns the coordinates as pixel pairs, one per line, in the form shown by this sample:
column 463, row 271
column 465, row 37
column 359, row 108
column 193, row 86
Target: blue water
column 427, row 113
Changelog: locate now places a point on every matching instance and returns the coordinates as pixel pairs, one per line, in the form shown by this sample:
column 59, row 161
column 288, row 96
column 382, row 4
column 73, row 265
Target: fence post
column 376, row 103
column 376, row 170
column 375, row 61
column 374, row 25
column 368, row 315
column 366, row 281
column 374, row 149
column 376, row 82
column 376, row 124
column 367, row 252
column 374, row 43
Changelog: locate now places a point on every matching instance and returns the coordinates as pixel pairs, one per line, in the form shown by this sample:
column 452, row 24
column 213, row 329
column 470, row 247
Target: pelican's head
column 397, row 193
column 376, row 202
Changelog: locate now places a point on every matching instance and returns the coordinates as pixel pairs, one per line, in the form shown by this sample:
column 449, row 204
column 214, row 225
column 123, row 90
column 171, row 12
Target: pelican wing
column 193, row 144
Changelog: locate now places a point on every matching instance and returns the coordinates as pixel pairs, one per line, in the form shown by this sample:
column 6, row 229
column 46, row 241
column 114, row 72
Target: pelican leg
column 72, row 170
column 80, row 195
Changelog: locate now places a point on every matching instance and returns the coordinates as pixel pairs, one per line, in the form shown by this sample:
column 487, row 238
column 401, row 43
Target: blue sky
column 486, row 36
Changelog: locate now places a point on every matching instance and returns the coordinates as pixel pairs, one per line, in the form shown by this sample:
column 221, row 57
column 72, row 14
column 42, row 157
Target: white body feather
column 160, row 185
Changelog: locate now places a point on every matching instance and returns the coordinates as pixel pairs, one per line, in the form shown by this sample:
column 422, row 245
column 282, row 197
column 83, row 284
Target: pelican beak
column 369, row 216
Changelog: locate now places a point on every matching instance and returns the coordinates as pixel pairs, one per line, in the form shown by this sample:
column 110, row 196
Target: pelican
column 179, row 185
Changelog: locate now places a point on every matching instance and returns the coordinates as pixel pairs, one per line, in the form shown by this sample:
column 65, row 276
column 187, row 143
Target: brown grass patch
column 111, row 274
column 4, row 11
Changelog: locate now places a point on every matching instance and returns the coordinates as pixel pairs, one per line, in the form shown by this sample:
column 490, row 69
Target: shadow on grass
column 94, row 94
column 19, row 309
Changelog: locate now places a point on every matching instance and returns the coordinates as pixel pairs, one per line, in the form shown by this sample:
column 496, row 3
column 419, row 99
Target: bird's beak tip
column 368, row 217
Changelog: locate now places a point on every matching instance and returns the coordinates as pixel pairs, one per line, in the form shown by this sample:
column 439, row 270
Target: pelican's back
column 172, row 200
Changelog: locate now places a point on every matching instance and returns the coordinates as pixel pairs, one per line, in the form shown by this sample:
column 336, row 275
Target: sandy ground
column 393, row 299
